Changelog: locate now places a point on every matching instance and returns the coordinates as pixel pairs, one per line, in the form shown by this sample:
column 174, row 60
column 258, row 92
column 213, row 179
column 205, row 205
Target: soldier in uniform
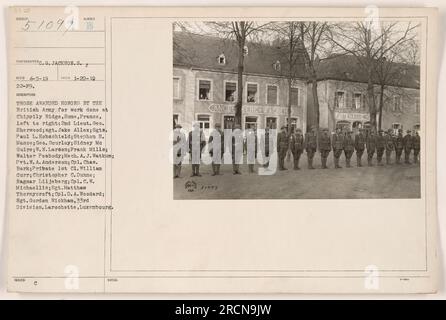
column 359, row 146
column 216, row 149
column 338, row 146
column 237, row 149
column 265, row 147
column 389, row 145
column 399, row 146
column 407, row 143
column 311, row 145
column 297, row 146
column 380, row 146
column 324, row 147
column 282, row 147
column 416, row 146
column 251, row 148
column 179, row 143
column 371, row 147
column 196, row 143
column 349, row 147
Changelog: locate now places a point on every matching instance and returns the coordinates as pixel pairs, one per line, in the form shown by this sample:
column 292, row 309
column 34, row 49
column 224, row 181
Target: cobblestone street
column 392, row 182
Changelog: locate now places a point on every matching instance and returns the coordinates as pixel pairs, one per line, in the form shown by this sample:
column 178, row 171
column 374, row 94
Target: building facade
column 205, row 89
column 209, row 97
column 342, row 95
column 205, row 86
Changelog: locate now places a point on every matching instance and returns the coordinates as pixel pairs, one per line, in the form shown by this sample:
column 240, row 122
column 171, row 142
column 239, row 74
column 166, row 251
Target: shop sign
column 251, row 109
column 350, row 116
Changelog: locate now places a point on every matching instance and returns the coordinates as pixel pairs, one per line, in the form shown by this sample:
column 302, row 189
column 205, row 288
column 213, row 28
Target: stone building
column 205, row 89
column 205, row 84
column 342, row 93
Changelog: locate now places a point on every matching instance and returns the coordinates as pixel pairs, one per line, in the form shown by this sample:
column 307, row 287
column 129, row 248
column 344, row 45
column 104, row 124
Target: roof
column 202, row 52
column 348, row 68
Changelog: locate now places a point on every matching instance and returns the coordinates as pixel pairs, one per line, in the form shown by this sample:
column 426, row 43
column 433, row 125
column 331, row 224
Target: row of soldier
column 295, row 142
column 344, row 142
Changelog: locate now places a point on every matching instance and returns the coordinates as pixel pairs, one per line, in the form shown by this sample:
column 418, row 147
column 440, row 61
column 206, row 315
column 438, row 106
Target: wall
column 188, row 106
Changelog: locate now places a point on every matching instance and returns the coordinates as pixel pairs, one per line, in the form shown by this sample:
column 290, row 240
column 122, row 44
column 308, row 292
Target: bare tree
column 288, row 44
column 242, row 32
column 370, row 45
column 314, row 40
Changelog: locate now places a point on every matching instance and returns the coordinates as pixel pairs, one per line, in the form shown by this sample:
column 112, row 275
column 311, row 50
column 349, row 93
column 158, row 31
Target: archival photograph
column 296, row 109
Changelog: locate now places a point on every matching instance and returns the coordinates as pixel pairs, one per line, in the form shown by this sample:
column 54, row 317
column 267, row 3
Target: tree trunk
column 315, row 102
column 371, row 101
column 289, row 105
column 240, row 68
column 381, row 103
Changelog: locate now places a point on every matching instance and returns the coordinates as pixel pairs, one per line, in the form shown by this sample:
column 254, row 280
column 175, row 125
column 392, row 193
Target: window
column 222, row 59
column 176, row 88
column 204, row 90
column 230, row 91
column 340, row 99
column 228, row 122
column 175, row 120
column 251, row 93
column 343, row 125
column 417, row 105
column 293, row 124
column 295, row 97
column 357, row 125
column 250, row 123
column 271, row 122
column 204, row 120
column 357, row 100
column 397, row 104
column 271, row 94
column 396, row 126
column 276, row 65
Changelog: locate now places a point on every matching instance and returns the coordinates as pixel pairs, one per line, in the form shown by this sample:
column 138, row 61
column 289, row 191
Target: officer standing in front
column 359, row 146
column 282, row 147
column 251, row 148
column 389, row 142
column 311, row 145
column 349, row 147
column 380, row 146
column 416, row 146
column 179, row 150
column 237, row 149
column 399, row 145
column 407, row 143
column 324, row 147
column 216, row 145
column 297, row 146
column 338, row 146
column 196, row 143
column 371, row 147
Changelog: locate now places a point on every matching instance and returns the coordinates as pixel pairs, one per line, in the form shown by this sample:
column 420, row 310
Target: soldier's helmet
column 283, row 127
column 400, row 130
column 408, row 131
column 380, row 130
column 350, row 131
column 217, row 125
column 389, row 130
column 298, row 130
column 178, row 126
